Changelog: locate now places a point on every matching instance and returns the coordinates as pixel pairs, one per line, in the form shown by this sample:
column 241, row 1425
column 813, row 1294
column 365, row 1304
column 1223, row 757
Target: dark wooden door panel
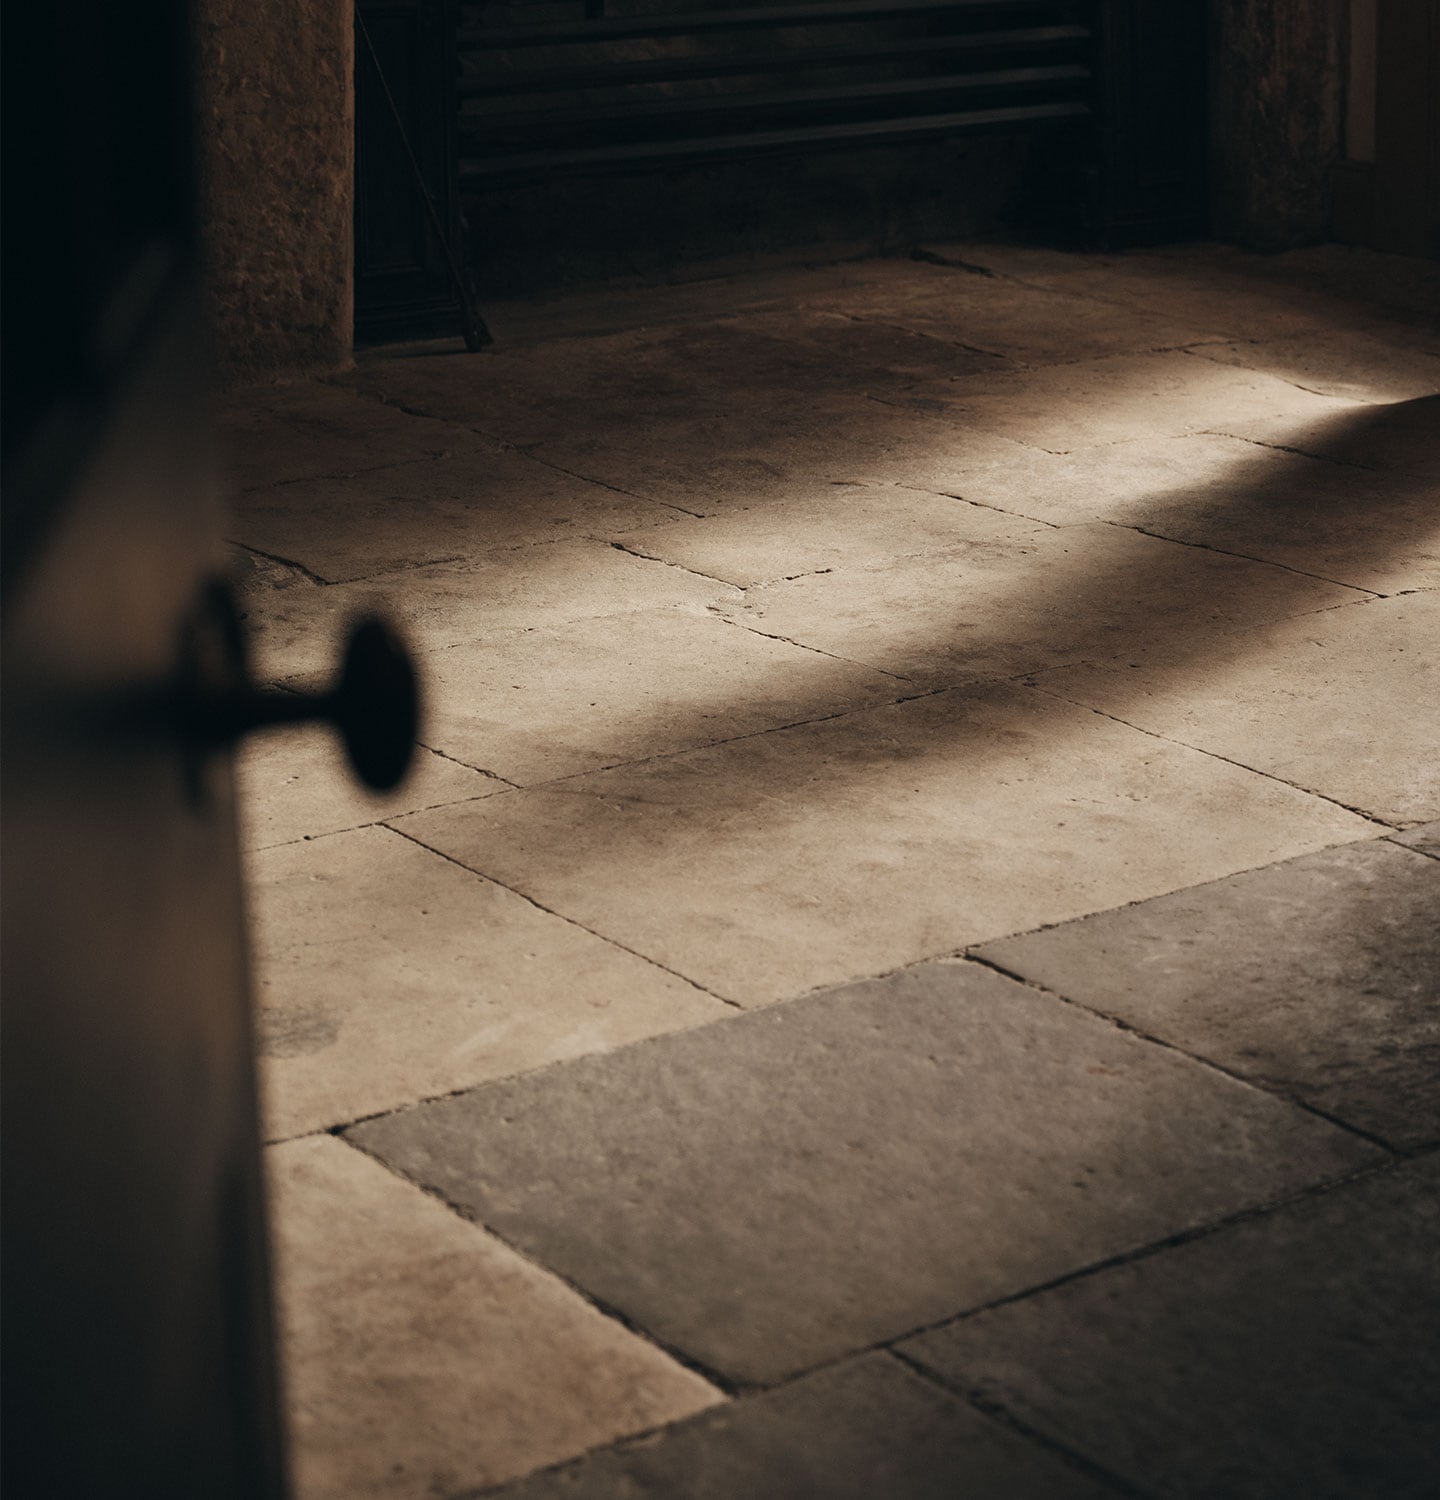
column 137, row 1348
column 137, row 1336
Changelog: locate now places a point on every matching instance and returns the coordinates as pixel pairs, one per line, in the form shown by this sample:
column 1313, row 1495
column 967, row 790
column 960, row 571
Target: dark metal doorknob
column 374, row 703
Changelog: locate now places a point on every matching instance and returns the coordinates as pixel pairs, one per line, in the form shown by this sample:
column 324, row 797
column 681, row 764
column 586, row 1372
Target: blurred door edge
column 138, row 1347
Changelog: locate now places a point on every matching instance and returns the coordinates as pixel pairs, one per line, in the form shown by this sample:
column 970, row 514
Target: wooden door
column 138, row 1356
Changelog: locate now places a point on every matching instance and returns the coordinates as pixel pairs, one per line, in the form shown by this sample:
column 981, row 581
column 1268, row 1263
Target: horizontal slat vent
column 556, row 87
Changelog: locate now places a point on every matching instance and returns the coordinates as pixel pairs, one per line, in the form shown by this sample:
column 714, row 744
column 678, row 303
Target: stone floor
column 908, row 962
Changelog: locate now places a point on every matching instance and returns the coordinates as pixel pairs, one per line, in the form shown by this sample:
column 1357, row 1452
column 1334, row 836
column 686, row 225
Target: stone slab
column 851, row 339
column 614, row 306
column 785, row 352
column 1235, row 293
column 423, row 1357
column 268, row 590
column 701, row 413
column 1018, row 599
column 1112, row 482
column 545, row 703
column 297, row 784
column 806, row 1182
column 386, row 974
column 460, row 505
column 1365, row 528
column 1426, row 839
column 1345, row 702
column 297, row 625
column 1021, row 322
column 279, row 434
column 660, row 365
column 1290, row 1355
column 1403, row 436
column 751, row 449
column 1316, row 979
column 1349, row 364
column 1065, row 407
column 843, row 848
column 817, row 528
column 626, row 381
column 854, row 1431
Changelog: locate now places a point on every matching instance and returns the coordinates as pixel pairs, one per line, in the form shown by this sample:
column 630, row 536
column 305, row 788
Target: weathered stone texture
column 276, row 135
column 1276, row 93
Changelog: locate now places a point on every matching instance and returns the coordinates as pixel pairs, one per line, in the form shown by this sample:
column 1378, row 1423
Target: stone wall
column 1277, row 98
column 276, row 145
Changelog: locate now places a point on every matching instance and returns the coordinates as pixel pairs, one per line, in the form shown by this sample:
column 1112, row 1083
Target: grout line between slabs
column 502, row 1080
column 526, row 451
column 550, row 911
column 1413, row 848
column 1024, row 678
column 613, row 1314
column 1130, row 1029
column 1005, row 361
column 398, row 571
column 638, row 1439
column 888, row 1346
column 1000, row 510
column 1249, row 1214
column 530, row 451
column 771, row 635
column 285, row 562
column 633, row 1440
column 248, row 490
column 958, row 954
column 1263, row 562
column 455, row 760
column 1239, row 765
column 561, row 783
column 949, row 955
column 1309, row 390
column 998, row 1412
column 666, row 562
column 1197, row 351
column 382, row 819
column 1214, row 335
column 1324, row 458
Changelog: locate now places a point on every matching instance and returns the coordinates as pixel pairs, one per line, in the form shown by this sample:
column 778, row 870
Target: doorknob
column 374, row 702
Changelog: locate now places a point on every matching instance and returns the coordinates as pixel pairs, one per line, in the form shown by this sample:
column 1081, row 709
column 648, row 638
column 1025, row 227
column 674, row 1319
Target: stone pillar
column 1276, row 96
column 276, row 146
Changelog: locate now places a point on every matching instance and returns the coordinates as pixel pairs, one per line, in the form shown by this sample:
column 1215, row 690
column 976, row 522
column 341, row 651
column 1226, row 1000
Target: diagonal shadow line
column 1080, row 609
column 592, row 824
column 1033, row 597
